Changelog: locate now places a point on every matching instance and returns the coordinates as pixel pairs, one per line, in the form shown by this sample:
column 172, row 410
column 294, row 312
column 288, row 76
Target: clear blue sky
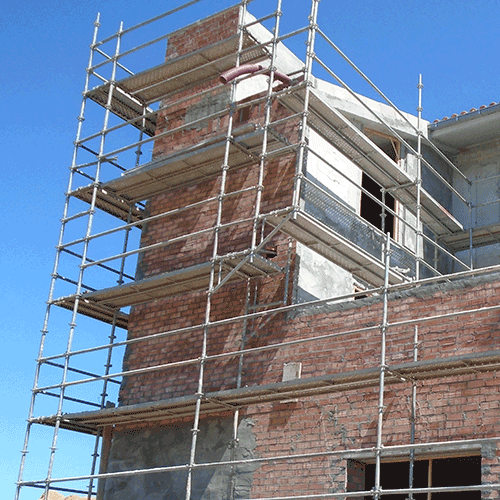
column 455, row 45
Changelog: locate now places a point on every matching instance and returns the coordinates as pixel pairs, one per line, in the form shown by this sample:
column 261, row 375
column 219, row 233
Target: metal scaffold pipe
column 418, row 240
column 383, row 367
column 215, row 251
column 311, row 36
column 413, row 414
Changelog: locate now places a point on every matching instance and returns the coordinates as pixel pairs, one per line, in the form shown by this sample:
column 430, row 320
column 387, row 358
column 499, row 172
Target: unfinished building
column 276, row 288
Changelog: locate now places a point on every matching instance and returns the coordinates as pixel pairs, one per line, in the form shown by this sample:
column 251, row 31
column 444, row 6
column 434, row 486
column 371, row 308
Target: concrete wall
column 319, row 278
column 157, row 445
column 342, row 99
column 342, row 181
column 478, row 163
column 325, row 191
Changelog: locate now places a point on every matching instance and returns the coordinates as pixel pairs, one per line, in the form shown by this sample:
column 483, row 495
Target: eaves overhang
column 465, row 130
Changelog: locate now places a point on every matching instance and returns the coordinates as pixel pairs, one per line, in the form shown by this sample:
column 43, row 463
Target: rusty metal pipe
column 246, row 69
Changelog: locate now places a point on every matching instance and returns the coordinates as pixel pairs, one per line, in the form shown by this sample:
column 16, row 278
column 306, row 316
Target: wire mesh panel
column 330, row 210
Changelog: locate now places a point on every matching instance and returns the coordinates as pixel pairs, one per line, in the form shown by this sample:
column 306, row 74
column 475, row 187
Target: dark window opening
column 372, row 211
column 461, row 471
column 243, row 114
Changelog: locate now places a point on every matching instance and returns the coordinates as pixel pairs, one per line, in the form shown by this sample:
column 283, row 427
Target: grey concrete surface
column 170, row 445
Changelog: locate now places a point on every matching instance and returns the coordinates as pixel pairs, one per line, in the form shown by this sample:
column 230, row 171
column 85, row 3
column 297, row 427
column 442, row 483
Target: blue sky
column 454, row 45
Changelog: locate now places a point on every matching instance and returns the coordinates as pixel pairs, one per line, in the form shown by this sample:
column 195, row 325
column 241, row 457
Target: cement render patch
column 421, row 291
column 168, row 445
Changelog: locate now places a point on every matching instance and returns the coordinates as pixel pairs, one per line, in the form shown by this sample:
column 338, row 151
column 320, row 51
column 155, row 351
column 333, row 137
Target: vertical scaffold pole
column 267, row 120
column 413, row 414
column 138, row 151
column 258, row 199
column 470, row 207
column 383, row 367
column 214, row 262
column 107, row 368
column 83, row 261
column 311, row 36
column 383, row 214
column 54, row 276
column 419, row 240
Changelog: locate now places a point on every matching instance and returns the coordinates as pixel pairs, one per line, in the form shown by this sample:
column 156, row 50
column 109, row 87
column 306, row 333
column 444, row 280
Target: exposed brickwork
column 174, row 109
column 203, row 33
column 355, row 477
column 198, row 221
column 238, row 205
column 466, row 334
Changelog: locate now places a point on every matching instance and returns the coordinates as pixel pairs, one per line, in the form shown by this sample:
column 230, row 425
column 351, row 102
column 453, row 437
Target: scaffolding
column 113, row 173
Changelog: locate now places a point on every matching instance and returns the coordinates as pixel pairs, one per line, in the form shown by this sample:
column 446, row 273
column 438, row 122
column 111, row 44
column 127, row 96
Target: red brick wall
column 348, row 421
column 173, row 112
column 203, row 33
column 239, row 205
column 278, row 173
column 278, row 183
column 467, row 334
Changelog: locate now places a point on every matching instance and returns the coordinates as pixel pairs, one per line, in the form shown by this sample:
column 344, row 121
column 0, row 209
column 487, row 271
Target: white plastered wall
column 317, row 276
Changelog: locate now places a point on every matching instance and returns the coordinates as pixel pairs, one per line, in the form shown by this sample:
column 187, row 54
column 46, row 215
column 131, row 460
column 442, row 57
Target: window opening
column 458, row 471
column 372, row 211
column 243, row 114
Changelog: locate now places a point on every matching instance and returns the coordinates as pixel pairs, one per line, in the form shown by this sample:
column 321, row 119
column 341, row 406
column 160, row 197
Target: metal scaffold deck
column 216, row 402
